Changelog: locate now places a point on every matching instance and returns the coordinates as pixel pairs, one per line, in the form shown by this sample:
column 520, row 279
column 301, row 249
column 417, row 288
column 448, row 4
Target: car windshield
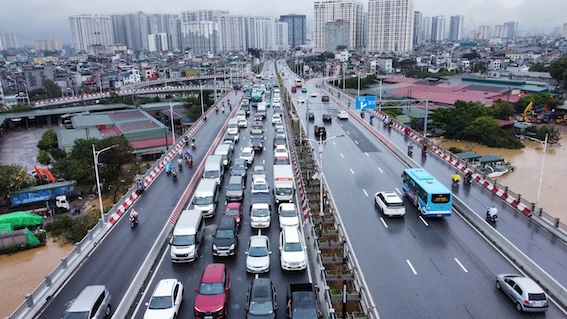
column 239, row 165
column 261, row 308
column 211, row 288
column 206, row 200
column 292, row 247
column 304, row 313
column 260, row 187
column 280, row 140
column 224, row 234
column 245, row 154
column 288, row 213
column 234, row 187
column 281, row 161
column 259, row 171
column 211, row 174
column 160, row 302
column 283, row 191
column 77, row 315
column 183, row 240
column 260, row 212
column 258, row 251
column 256, row 139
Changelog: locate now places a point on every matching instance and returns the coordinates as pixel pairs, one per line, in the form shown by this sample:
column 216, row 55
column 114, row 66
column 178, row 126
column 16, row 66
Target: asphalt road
column 414, row 268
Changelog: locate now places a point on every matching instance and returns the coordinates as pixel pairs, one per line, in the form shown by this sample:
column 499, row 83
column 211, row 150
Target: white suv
column 288, row 215
column 292, row 249
column 389, row 203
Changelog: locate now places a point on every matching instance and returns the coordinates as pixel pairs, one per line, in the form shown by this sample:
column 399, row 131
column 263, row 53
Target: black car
column 225, row 241
column 321, row 131
column 261, row 300
column 325, row 98
column 257, row 142
column 311, row 116
column 239, row 167
column 246, row 108
column 327, row 117
column 235, row 189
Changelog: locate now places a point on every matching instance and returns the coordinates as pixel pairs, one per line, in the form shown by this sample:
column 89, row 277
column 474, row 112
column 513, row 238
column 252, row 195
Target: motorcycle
column 175, row 176
column 468, row 180
column 362, row 114
column 455, row 183
column 190, row 161
column 141, row 188
column 180, row 164
column 193, row 145
column 133, row 220
column 410, row 152
column 424, row 152
column 491, row 217
column 168, row 168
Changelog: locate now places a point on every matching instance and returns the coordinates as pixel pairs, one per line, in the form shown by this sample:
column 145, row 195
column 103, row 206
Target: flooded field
column 525, row 178
column 21, row 272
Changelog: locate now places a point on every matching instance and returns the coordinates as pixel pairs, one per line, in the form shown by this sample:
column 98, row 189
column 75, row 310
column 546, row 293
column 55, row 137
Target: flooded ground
column 21, row 272
column 525, row 178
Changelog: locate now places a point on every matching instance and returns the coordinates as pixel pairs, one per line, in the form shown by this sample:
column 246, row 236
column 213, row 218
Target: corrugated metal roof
column 91, row 120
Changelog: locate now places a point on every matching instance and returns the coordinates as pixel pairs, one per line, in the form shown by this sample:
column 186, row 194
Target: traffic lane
column 436, row 259
column 116, row 252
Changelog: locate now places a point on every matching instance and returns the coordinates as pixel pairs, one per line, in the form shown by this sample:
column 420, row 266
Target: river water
column 525, row 178
column 21, row 272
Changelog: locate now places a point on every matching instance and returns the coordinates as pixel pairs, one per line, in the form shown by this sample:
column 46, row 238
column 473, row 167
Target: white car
column 260, row 216
column 288, row 215
column 242, row 123
column 165, row 300
column 300, row 99
column 280, row 151
column 313, row 94
column 292, row 249
column 247, row 154
column 276, row 119
column 235, row 136
column 260, row 185
column 258, row 254
column 389, row 203
column 343, row 115
column 258, row 172
column 240, row 115
column 277, row 99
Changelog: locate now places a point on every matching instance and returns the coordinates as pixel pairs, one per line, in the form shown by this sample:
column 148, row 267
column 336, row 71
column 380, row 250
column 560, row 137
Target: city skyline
column 51, row 18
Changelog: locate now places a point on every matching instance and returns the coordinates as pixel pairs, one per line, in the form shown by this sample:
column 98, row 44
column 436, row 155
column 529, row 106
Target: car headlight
column 232, row 247
column 215, row 247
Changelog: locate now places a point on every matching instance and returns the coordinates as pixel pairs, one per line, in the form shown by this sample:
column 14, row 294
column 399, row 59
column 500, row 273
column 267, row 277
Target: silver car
column 258, row 254
column 524, row 292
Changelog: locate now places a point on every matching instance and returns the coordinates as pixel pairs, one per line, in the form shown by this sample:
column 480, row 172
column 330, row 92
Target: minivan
column 187, row 236
column 205, row 198
column 232, row 126
column 214, row 169
column 225, row 151
column 262, row 108
column 226, row 238
column 292, row 249
column 93, row 303
column 235, row 189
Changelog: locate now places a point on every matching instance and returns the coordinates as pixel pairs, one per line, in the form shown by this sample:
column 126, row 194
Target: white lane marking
column 423, row 221
column 397, row 190
column 348, row 132
column 463, row 267
column 334, row 143
column 356, row 142
column 342, row 155
column 365, row 193
column 366, row 154
column 411, row 266
column 352, row 171
column 383, row 222
column 259, row 232
column 381, row 171
column 264, row 161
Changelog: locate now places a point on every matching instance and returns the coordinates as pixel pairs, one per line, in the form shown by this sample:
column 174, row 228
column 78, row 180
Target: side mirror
column 196, row 290
column 147, row 304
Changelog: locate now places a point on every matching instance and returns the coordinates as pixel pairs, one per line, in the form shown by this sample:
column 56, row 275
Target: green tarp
column 5, row 228
column 32, row 240
column 21, row 219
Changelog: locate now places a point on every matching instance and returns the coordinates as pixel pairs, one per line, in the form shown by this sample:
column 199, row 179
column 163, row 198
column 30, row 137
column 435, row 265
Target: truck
column 302, row 301
column 284, row 185
column 56, row 194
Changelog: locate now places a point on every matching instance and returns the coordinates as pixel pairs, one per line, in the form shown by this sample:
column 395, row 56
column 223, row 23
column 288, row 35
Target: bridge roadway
column 413, row 269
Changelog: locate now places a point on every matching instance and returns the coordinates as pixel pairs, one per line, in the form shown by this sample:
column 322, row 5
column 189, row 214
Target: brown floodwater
column 525, row 178
column 21, row 272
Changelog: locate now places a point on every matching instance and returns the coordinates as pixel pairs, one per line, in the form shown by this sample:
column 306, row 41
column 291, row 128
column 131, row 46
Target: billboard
column 365, row 102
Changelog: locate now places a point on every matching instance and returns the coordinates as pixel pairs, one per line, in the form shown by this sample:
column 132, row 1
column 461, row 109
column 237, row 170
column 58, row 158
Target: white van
column 214, row 168
column 206, row 197
column 225, row 150
column 232, row 126
column 262, row 108
column 187, row 237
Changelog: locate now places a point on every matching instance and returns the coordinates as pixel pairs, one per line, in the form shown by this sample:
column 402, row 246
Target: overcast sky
column 42, row 19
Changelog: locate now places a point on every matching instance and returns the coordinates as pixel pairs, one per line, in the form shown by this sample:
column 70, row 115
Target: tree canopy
column 558, row 70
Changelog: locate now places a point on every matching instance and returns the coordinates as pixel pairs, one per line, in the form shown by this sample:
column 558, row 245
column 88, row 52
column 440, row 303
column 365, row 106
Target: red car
column 212, row 294
column 234, row 209
column 258, row 117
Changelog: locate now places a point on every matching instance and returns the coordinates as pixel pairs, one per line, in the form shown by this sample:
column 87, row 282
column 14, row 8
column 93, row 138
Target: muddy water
column 525, row 179
column 21, row 272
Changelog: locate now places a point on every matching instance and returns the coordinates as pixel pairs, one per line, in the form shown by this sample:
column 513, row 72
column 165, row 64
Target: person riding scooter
column 468, row 178
column 424, row 150
column 174, row 173
column 193, row 144
column 180, row 163
column 133, row 217
column 492, row 214
column 410, row 149
column 456, row 179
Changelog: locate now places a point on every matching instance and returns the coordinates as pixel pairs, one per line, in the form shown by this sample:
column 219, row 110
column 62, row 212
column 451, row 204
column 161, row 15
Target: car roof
column 527, row 284
column 261, row 289
column 260, row 180
column 233, row 205
column 214, row 272
column 392, row 197
column 164, row 287
column 286, row 206
column 259, row 167
column 235, row 179
column 258, row 240
column 86, row 298
column 246, row 148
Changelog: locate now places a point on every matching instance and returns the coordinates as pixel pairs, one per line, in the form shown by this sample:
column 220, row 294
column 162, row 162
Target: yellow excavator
column 524, row 116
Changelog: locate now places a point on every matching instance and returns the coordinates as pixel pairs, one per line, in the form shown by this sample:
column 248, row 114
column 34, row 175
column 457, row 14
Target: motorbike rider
column 362, row 114
column 371, row 118
column 456, row 178
column 468, row 177
column 492, row 212
column 410, row 148
column 134, row 215
column 193, row 144
column 180, row 162
column 424, row 150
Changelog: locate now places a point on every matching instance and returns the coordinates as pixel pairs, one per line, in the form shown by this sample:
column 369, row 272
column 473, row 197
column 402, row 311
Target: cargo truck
column 284, row 185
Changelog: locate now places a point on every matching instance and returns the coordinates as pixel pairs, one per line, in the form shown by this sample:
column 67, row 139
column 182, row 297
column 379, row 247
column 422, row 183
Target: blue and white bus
column 430, row 197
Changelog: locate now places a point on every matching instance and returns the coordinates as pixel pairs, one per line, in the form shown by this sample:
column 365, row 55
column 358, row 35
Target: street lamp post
column 95, row 157
column 202, row 105
column 172, row 122
column 321, row 144
column 27, row 92
column 544, row 144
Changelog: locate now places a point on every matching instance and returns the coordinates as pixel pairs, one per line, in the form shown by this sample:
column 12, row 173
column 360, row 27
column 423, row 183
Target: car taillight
column 526, row 302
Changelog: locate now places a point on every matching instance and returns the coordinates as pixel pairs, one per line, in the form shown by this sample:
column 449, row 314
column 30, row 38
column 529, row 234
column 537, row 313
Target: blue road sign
column 365, row 102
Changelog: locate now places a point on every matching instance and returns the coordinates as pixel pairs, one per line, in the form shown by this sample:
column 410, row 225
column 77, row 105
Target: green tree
column 538, row 100
column 48, row 140
column 43, row 158
column 329, row 55
column 505, row 109
column 539, row 67
column 14, row 177
column 558, row 70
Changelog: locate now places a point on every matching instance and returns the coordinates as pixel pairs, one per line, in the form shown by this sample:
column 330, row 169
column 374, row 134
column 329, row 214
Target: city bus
column 298, row 83
column 430, row 197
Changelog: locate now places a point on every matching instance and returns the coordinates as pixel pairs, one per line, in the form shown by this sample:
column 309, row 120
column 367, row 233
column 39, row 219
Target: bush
column 72, row 230
column 455, row 150
column 44, row 158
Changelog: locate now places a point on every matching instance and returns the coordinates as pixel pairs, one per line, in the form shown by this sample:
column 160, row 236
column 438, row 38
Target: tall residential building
column 91, row 30
column 390, row 25
column 154, row 23
column 426, row 29
column 331, row 10
column 336, row 35
column 263, row 30
column 48, row 45
column 296, row 28
column 201, row 15
column 564, row 33
column 232, row 33
column 456, row 28
column 500, row 31
column 200, row 36
column 484, row 32
column 128, row 29
column 511, row 29
column 281, row 36
column 8, row 40
column 159, row 42
column 437, row 28
column 417, row 28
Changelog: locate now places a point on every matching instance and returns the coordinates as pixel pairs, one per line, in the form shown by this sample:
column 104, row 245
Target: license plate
column 208, row 317
column 181, row 258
